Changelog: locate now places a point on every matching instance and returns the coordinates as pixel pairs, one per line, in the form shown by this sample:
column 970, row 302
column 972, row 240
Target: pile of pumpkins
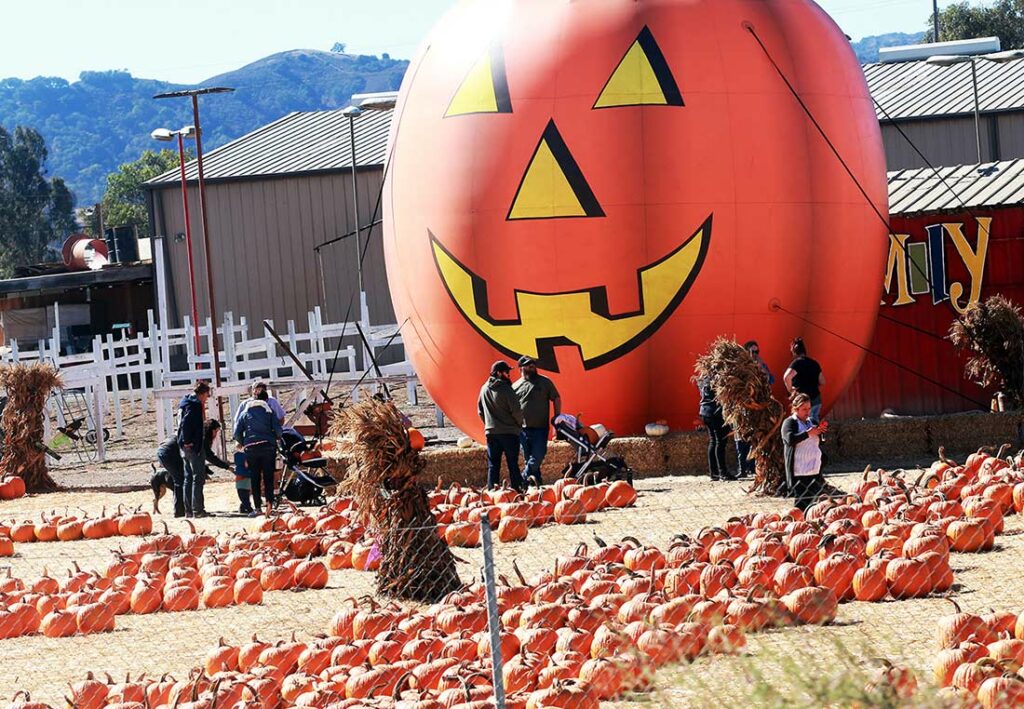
column 458, row 510
column 54, row 527
column 166, row 572
column 981, row 658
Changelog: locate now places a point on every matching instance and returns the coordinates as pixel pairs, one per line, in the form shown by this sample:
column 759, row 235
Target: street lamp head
column 352, row 111
column 188, row 132
column 948, row 59
column 163, row 134
column 1010, row 55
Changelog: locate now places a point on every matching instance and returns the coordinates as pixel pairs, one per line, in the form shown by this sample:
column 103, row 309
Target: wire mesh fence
column 680, row 592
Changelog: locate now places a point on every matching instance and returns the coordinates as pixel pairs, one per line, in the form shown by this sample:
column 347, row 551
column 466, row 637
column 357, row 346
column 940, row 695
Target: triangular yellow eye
column 553, row 185
column 642, row 78
column 485, row 88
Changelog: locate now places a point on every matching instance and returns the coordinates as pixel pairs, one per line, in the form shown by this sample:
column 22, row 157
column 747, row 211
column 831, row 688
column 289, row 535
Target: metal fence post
column 493, row 619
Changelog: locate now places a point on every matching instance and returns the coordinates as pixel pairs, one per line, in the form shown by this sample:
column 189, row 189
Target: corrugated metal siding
column 964, row 186
column 948, row 141
column 918, row 89
column 312, row 141
column 262, row 234
column 913, row 335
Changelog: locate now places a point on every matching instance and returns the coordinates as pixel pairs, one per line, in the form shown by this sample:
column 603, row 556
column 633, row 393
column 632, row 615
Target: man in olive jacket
column 502, row 415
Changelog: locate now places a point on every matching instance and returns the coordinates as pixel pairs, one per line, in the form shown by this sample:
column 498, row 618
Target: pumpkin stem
column 955, row 604
column 518, row 572
column 402, row 681
column 634, row 541
column 600, row 542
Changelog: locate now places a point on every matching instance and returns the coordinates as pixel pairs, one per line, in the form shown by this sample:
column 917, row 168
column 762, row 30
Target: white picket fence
column 153, row 370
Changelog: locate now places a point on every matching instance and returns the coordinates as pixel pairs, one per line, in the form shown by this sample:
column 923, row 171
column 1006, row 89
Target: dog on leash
column 160, row 482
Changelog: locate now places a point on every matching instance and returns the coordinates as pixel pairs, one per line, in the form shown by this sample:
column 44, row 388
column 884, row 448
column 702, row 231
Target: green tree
column 1003, row 19
column 124, row 202
column 33, row 210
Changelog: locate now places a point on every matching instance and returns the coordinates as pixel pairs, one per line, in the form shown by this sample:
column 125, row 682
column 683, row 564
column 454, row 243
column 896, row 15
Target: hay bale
column 878, row 440
column 964, row 433
column 741, row 387
column 28, row 387
column 382, row 477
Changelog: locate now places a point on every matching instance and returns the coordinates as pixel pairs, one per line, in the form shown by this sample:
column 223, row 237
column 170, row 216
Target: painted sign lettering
column 916, row 268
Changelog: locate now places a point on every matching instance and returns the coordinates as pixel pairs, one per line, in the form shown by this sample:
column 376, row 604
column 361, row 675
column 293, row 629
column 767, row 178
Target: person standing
column 275, row 406
column 804, row 376
column 258, row 431
column 499, row 409
column 714, row 421
column 747, row 467
column 800, row 438
column 537, row 394
column 193, row 454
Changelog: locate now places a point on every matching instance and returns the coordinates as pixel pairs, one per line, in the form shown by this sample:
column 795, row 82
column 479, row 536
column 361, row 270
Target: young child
column 243, row 485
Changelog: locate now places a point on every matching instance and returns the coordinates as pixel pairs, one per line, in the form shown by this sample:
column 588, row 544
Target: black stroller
column 300, row 481
column 591, row 464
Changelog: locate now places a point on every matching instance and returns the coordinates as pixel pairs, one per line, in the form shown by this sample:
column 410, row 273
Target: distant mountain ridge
column 867, row 48
column 104, row 119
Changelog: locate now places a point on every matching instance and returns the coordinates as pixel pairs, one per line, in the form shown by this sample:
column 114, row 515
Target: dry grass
column 902, row 631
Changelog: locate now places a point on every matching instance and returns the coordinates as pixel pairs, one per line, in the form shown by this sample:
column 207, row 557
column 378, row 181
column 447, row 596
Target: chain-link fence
column 692, row 594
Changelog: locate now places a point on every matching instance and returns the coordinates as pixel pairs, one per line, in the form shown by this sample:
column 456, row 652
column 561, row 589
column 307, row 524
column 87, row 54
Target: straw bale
column 878, row 440
column 964, row 433
column 28, row 387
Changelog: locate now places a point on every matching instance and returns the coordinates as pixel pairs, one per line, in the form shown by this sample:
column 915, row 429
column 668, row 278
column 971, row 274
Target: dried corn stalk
column 992, row 331
column 742, row 388
column 28, row 386
column 416, row 563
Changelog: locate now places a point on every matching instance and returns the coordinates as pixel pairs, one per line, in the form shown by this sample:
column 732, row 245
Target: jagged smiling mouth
column 579, row 318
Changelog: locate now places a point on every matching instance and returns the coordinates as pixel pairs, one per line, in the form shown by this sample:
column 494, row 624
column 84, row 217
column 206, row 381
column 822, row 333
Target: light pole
column 194, row 94
column 996, row 58
column 361, row 103
column 165, row 135
column 935, row 19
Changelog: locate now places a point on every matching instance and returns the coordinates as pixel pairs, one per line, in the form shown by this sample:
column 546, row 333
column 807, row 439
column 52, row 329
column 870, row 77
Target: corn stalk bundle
column 742, row 388
column 416, row 563
column 28, row 387
column 992, row 331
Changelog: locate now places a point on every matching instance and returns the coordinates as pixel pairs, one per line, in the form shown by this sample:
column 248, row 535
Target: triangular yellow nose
column 553, row 185
column 485, row 88
column 642, row 78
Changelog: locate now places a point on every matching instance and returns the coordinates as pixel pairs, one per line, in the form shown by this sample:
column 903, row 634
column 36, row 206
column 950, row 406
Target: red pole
column 188, row 244
column 209, row 267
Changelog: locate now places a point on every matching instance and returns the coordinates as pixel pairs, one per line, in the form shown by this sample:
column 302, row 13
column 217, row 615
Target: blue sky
column 155, row 40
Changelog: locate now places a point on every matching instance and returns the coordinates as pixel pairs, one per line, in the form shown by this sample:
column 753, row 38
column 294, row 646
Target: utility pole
column 935, row 19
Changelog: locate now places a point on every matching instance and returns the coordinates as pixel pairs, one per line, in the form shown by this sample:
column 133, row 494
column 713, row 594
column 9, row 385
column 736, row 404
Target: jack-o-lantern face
column 607, row 186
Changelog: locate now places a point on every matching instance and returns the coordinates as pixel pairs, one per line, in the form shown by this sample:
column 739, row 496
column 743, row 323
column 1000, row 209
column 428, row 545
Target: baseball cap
column 500, row 366
column 526, row 360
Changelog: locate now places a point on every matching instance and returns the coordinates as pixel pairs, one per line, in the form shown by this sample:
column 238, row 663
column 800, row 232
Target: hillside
column 867, row 48
column 104, row 119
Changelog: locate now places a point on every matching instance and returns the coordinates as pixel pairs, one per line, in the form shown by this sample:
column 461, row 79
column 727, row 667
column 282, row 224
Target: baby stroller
column 300, row 481
column 591, row 464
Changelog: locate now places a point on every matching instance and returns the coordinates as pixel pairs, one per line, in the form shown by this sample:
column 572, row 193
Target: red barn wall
column 911, row 334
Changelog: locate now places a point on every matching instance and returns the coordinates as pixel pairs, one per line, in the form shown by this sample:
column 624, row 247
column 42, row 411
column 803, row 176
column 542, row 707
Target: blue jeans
column 816, row 410
column 195, row 478
column 507, row 445
column 746, row 465
column 173, row 464
column 260, row 460
column 535, row 447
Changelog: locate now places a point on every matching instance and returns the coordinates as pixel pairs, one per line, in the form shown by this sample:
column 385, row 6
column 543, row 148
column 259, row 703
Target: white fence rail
column 153, row 370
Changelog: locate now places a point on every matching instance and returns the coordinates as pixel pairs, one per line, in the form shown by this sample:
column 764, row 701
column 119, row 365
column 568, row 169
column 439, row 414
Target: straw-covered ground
column 164, row 642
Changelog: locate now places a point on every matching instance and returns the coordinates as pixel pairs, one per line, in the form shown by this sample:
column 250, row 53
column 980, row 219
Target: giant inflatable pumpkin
column 609, row 185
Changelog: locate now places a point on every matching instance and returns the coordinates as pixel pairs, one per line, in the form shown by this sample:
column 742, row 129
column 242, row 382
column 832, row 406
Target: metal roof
column 996, row 184
column 921, row 90
column 108, row 275
column 300, row 142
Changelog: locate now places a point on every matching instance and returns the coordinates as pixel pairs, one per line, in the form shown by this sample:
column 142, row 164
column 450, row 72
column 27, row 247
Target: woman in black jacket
column 803, row 456
column 718, row 431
